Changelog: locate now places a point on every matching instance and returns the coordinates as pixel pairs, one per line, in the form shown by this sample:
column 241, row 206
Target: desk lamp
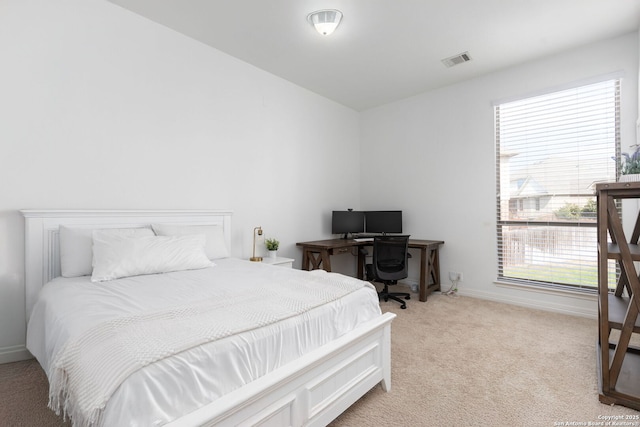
column 259, row 233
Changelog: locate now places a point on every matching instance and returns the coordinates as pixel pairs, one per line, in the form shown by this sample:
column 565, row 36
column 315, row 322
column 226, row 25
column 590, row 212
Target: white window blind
column 551, row 150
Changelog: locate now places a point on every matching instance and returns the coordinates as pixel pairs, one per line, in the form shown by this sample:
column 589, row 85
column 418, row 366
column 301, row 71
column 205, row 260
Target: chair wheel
column 403, row 306
column 407, row 297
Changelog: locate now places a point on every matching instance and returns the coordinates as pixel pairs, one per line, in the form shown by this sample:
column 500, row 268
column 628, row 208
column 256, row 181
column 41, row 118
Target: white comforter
column 178, row 385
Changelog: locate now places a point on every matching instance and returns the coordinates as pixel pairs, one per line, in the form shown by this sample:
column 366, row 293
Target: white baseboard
column 591, row 313
column 540, row 305
column 14, row 353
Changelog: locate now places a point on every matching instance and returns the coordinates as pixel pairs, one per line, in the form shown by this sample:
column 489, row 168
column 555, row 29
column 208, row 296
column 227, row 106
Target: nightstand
column 279, row 261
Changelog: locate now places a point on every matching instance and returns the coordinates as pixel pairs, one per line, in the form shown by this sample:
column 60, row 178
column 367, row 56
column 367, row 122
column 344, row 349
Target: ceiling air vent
column 457, row 59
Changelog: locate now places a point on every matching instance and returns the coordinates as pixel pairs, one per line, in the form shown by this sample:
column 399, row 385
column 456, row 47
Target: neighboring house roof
column 556, row 175
column 526, row 187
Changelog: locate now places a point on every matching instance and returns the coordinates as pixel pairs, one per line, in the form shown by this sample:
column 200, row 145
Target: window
column 550, row 152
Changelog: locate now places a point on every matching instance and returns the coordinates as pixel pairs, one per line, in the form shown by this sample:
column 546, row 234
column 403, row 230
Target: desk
column 317, row 255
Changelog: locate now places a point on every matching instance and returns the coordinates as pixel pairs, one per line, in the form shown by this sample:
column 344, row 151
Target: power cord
column 453, row 290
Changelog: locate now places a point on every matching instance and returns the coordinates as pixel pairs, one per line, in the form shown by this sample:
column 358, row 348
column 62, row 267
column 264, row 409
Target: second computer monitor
column 383, row 221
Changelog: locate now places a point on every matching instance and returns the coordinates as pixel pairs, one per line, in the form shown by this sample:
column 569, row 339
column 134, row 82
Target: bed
column 302, row 361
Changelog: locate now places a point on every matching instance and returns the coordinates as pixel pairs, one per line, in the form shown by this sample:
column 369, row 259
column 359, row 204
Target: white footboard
column 311, row 391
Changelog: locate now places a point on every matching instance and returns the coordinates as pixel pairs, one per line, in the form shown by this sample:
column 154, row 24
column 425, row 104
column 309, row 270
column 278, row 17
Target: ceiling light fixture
column 325, row 21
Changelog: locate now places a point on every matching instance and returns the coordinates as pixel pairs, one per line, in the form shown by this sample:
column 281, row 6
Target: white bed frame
column 311, row 391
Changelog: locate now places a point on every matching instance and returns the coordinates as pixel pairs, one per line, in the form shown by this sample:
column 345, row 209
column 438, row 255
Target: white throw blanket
column 90, row 367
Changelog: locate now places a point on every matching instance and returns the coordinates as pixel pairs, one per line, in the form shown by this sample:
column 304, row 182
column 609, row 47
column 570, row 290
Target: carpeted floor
column 459, row 361
column 456, row 361
column 24, row 393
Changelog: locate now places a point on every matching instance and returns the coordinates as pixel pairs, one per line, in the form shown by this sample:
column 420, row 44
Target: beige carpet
column 459, row 361
column 24, row 393
column 456, row 361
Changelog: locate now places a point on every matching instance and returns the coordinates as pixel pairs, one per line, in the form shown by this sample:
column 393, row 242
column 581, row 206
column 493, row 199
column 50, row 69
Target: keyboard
column 363, row 239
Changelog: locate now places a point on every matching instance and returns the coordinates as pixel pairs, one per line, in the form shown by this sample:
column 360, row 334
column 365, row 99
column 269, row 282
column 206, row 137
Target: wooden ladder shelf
column 618, row 360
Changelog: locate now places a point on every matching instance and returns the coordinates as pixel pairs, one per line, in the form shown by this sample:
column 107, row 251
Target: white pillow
column 120, row 256
column 76, row 243
column 215, row 247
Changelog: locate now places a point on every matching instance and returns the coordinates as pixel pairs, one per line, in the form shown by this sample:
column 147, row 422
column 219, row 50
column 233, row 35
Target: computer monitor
column 383, row 221
column 345, row 222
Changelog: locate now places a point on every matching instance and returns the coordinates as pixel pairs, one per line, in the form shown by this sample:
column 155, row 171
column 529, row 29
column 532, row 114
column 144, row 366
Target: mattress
column 172, row 387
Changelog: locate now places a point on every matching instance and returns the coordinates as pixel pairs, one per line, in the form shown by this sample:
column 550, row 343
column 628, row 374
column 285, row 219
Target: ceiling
column 385, row 50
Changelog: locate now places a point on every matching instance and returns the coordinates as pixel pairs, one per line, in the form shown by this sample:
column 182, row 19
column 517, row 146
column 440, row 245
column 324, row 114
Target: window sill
column 585, row 294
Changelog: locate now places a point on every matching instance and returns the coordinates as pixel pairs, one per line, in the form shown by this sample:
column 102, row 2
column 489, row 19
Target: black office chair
column 390, row 264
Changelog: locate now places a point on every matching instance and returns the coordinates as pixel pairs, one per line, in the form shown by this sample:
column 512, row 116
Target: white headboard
column 42, row 247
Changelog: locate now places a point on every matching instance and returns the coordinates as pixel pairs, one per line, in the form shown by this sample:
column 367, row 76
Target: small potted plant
column 272, row 245
column 630, row 166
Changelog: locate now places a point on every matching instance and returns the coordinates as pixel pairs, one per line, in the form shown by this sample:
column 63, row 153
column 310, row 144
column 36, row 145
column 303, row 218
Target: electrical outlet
column 455, row 276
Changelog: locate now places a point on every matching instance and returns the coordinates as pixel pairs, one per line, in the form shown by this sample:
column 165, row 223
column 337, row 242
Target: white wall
column 101, row 108
column 444, row 142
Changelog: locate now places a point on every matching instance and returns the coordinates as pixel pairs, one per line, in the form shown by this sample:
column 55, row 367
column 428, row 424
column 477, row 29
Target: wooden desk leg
column 326, row 260
column 316, row 260
column 423, row 274
column 434, row 269
column 429, row 272
column 305, row 259
column 361, row 261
